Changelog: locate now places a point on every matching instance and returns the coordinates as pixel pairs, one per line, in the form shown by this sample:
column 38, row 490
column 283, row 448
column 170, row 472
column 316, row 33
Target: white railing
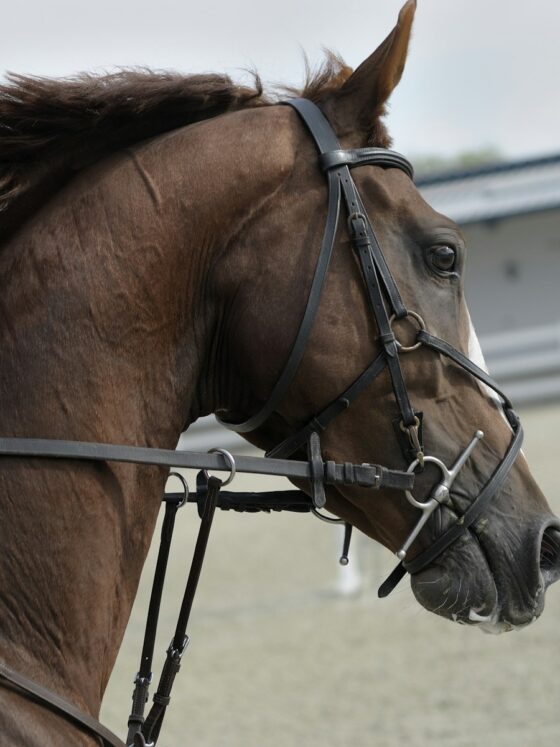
column 526, row 362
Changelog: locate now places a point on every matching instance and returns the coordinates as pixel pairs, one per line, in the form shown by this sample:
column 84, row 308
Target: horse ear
column 362, row 97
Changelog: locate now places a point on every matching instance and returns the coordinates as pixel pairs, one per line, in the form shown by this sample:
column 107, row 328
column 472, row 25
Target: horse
column 159, row 237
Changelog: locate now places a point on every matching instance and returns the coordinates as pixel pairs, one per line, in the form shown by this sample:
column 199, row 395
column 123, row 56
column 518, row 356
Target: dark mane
column 51, row 128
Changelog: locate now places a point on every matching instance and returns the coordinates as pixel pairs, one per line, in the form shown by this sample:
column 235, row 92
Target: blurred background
column 287, row 650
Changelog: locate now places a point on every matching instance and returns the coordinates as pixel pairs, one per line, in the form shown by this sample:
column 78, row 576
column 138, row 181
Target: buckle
column 176, row 653
column 143, row 681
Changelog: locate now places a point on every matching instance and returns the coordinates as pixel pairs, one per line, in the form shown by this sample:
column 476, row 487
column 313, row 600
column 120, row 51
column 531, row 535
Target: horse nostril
column 549, row 559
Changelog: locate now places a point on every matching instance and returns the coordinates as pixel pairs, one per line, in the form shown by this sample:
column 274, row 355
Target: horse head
column 161, row 241
column 495, row 574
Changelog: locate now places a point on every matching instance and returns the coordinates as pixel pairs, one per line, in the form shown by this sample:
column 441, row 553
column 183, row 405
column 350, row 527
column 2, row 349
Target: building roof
column 497, row 191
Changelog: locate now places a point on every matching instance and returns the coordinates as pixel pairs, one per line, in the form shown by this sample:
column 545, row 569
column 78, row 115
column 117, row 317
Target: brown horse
column 147, row 282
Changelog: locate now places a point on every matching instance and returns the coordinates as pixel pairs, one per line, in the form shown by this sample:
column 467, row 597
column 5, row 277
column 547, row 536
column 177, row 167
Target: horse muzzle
column 494, row 578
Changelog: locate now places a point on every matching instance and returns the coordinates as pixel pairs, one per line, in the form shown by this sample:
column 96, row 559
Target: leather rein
column 386, row 306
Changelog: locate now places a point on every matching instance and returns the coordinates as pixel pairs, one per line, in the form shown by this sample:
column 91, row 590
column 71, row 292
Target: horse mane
column 52, row 128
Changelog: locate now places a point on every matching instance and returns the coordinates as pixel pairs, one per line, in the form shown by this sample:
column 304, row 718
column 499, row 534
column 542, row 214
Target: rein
column 386, row 307
column 144, row 732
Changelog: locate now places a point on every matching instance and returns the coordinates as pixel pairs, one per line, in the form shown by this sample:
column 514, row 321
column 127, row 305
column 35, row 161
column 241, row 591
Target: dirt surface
column 278, row 658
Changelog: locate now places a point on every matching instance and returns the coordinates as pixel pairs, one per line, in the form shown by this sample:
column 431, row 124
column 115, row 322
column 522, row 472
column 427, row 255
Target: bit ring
column 423, row 506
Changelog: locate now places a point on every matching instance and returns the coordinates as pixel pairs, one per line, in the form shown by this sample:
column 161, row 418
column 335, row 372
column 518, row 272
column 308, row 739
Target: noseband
column 387, row 307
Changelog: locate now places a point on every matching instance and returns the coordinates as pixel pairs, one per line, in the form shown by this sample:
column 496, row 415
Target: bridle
column 387, row 307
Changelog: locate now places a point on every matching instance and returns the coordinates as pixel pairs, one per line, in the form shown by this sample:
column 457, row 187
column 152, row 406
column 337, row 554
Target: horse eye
column 443, row 258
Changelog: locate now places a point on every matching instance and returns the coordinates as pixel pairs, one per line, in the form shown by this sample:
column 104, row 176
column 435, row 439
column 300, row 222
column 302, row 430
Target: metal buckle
column 143, row 681
column 356, row 216
column 176, row 654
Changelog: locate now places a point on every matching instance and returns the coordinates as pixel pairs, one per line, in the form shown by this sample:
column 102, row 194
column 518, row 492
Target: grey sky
column 479, row 72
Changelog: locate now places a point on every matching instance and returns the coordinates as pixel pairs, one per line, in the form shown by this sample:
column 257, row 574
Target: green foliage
column 427, row 165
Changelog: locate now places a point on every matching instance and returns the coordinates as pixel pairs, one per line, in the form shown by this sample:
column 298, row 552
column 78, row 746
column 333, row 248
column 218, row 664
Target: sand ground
column 279, row 659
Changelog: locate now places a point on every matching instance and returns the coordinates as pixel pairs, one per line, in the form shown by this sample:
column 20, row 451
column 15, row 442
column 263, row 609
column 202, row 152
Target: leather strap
column 374, row 266
column 320, row 421
column 365, row 475
column 386, row 335
column 327, row 143
column 154, row 720
column 366, row 157
column 273, row 500
column 355, row 206
column 318, row 125
column 53, row 702
column 392, row 581
column 144, row 677
column 443, row 347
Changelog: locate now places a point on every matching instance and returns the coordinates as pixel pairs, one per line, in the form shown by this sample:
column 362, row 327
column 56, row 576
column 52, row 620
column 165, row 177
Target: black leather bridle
column 387, row 306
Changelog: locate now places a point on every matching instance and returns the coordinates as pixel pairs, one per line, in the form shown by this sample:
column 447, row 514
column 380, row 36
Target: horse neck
column 106, row 337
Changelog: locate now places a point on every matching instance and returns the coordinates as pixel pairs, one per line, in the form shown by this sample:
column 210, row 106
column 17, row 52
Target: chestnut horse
column 159, row 239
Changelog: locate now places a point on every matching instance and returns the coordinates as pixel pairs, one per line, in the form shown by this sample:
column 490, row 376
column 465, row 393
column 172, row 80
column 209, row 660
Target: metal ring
column 430, row 460
column 421, row 327
column 328, row 519
column 229, row 457
column 185, row 487
column 405, row 428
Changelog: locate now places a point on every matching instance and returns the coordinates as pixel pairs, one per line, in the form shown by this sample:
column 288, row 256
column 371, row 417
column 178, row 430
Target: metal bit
column 440, row 493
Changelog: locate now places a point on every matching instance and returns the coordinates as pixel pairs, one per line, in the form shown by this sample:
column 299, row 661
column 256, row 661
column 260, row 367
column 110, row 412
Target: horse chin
column 462, row 588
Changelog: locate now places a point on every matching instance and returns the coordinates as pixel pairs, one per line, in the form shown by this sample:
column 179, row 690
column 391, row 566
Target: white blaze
column 476, row 356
